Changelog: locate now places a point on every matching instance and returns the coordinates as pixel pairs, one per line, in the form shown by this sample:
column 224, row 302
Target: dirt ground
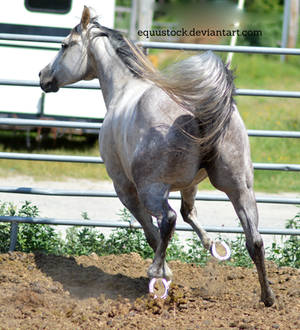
column 91, row 292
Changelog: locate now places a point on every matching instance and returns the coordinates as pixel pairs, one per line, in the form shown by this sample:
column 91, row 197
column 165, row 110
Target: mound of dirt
column 90, row 292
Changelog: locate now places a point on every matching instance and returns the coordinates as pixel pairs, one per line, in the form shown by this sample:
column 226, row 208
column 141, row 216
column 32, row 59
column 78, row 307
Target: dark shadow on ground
column 89, row 281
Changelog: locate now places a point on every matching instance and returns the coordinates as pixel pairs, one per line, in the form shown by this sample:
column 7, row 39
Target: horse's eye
column 64, row 46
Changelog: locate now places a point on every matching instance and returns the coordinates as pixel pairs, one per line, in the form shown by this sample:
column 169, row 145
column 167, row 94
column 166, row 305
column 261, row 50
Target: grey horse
column 164, row 131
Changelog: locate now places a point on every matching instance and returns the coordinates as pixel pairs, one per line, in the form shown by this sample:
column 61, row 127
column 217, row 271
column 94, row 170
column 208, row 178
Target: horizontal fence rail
column 266, row 93
column 30, row 38
column 51, row 123
column 98, row 160
column 116, row 224
column 174, row 196
column 35, row 83
column 51, row 158
column 85, row 85
column 89, row 125
column 219, row 48
column 276, row 167
column 168, row 45
column 279, row 134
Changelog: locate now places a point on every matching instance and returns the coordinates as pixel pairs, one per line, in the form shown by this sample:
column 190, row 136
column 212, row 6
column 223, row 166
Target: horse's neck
column 111, row 71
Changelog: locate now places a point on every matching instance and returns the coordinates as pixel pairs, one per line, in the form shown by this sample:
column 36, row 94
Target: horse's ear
column 85, row 18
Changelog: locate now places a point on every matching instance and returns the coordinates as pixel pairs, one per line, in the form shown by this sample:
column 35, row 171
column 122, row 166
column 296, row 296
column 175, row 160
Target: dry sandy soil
column 91, row 292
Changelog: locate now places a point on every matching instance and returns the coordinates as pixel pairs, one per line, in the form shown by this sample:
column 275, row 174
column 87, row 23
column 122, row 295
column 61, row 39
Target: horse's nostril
column 40, row 73
column 48, row 85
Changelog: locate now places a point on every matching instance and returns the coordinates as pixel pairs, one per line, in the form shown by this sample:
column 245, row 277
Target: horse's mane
column 128, row 52
column 201, row 84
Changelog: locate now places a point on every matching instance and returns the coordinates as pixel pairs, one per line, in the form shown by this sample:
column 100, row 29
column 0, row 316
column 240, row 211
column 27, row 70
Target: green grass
column 262, row 72
column 252, row 71
column 77, row 146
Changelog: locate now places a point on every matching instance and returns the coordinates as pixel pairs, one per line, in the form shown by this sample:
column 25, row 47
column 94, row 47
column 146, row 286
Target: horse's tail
column 203, row 85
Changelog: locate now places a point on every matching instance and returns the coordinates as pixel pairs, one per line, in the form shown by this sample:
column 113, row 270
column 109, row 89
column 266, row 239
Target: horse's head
column 72, row 63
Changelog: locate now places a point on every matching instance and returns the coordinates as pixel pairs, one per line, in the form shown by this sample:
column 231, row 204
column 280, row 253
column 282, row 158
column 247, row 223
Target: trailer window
column 49, row 6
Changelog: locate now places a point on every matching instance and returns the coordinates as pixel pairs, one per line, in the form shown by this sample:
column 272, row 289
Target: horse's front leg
column 154, row 197
column 127, row 194
column 159, row 268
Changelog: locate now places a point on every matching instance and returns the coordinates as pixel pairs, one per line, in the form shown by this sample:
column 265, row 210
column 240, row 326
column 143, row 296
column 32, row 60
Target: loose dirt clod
column 90, row 292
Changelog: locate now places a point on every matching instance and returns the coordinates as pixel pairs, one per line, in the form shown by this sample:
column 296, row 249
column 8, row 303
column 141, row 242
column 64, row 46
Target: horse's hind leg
column 189, row 215
column 235, row 178
column 245, row 207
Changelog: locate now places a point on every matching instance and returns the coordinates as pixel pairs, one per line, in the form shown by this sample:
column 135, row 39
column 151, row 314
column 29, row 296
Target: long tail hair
column 203, row 85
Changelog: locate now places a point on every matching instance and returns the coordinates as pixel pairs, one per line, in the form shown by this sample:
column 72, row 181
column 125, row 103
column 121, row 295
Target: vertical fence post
column 13, row 236
column 145, row 16
column 285, row 26
column 133, row 15
column 233, row 40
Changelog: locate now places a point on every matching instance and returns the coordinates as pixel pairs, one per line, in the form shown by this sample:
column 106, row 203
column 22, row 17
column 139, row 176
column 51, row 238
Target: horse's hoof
column 217, row 255
column 164, row 271
column 268, row 300
column 166, row 284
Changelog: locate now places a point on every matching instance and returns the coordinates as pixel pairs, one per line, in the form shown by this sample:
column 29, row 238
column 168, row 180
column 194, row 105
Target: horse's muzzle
column 49, row 86
column 48, row 83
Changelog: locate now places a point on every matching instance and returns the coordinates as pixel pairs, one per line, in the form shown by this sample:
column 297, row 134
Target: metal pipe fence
column 53, row 123
column 174, row 196
column 219, row 48
column 116, row 224
column 90, row 125
column 51, row 158
column 97, row 160
column 30, row 38
column 35, row 83
column 85, row 85
column 167, row 45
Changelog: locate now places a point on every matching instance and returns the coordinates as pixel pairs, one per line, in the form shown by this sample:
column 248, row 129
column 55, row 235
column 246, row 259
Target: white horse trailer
column 24, row 60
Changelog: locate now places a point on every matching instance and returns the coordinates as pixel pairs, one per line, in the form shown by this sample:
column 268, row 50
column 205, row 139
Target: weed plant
column 87, row 240
column 289, row 254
